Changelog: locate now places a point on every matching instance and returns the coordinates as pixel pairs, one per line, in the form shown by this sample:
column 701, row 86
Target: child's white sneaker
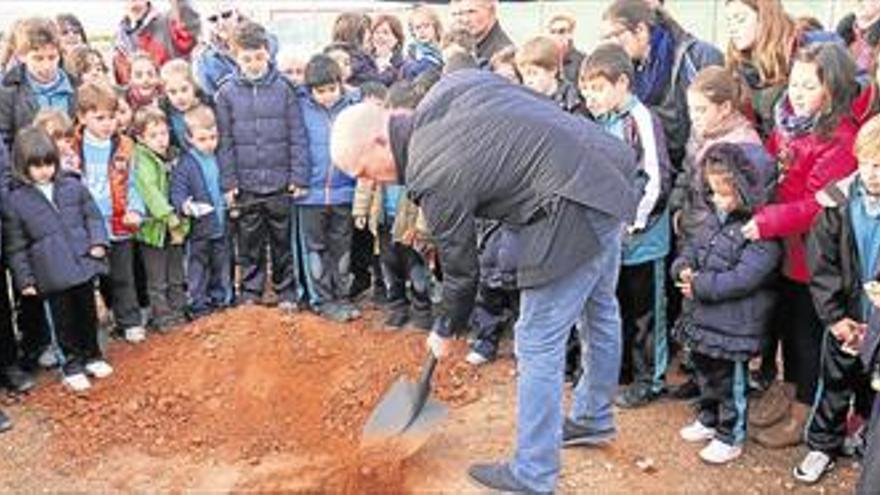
column 135, row 335
column 99, row 368
column 813, row 467
column 718, row 452
column 77, row 382
column 48, row 358
column 697, row 432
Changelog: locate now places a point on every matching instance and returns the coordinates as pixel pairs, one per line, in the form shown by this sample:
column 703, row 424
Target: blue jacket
column 263, row 147
column 47, row 243
column 327, row 184
column 732, row 302
column 188, row 181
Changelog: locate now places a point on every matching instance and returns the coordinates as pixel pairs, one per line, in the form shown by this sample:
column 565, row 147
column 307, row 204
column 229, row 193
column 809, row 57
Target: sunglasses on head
column 222, row 15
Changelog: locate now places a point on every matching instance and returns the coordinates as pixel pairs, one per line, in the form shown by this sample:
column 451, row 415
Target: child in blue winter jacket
column 325, row 221
column 196, row 194
column 724, row 279
column 263, row 159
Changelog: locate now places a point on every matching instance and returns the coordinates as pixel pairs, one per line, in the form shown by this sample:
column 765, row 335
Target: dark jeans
column 326, row 235
column 165, row 283
column 722, row 404
column 33, row 328
column 365, row 265
column 869, row 482
column 262, row 226
column 208, row 278
column 843, row 376
column 119, row 287
column 795, row 319
column 640, row 290
column 75, row 319
column 401, row 264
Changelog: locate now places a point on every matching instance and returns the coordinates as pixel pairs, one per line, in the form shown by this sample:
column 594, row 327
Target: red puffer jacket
column 808, row 162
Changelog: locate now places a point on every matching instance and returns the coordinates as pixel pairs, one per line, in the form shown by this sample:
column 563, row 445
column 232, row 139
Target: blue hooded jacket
column 327, row 184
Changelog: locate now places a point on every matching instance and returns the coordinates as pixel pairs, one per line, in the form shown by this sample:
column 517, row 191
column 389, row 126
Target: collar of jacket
column 266, row 79
column 399, row 132
column 493, row 33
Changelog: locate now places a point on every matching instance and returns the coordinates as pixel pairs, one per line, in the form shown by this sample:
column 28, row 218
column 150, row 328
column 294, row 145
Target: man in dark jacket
column 479, row 147
column 480, row 19
column 263, row 157
column 843, row 257
column 869, row 482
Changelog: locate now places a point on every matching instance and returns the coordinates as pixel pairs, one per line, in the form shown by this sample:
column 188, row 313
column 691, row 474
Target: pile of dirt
column 247, row 384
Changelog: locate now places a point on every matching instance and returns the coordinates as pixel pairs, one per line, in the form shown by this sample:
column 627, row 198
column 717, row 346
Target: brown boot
column 773, row 406
column 787, row 433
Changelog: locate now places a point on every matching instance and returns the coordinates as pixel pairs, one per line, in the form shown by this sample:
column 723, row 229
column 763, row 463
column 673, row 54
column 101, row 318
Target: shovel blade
column 394, row 411
column 422, row 426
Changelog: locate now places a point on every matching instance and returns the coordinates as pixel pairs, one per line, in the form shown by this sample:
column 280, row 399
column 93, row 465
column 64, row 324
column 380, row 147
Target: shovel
column 405, row 413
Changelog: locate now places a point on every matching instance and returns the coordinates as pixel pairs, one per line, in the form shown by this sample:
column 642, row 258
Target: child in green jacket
column 162, row 233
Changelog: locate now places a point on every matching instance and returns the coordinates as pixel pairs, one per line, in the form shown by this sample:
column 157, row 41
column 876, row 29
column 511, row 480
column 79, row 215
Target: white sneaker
column 99, row 368
column 48, row 358
column 77, row 382
column 135, row 335
column 718, row 452
column 476, row 359
column 813, row 467
column 697, row 432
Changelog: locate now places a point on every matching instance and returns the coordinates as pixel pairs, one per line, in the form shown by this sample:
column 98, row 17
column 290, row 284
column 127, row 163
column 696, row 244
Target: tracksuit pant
column 326, row 236
column 640, row 291
column 722, row 404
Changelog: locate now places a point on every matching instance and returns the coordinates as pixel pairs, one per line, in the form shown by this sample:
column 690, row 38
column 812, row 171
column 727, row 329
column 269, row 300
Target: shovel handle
column 427, row 371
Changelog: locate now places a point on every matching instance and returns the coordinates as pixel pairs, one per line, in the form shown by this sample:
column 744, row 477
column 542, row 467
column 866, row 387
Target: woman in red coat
column 813, row 142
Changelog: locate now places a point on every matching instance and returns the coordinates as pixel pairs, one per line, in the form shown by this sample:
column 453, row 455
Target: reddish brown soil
column 250, row 401
column 240, row 386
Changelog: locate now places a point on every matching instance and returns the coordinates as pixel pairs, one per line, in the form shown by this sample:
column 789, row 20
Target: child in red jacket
column 813, row 142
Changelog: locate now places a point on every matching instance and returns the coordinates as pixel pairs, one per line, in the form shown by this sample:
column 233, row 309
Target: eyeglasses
column 222, row 15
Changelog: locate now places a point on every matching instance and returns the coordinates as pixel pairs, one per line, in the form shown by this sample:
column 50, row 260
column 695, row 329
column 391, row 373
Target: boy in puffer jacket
column 724, row 279
column 325, row 223
column 263, row 157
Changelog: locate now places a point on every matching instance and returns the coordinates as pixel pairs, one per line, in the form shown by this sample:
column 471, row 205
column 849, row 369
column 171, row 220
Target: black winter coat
column 480, row 147
column 732, row 302
column 47, row 243
column 263, row 145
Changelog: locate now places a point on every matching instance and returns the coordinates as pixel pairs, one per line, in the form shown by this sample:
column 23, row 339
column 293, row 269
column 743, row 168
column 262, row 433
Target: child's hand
column 360, row 222
column 177, row 237
column 297, row 192
column 843, row 330
column 29, row 291
column 230, row 196
column 132, row 219
column 173, row 221
column 686, row 275
column 872, row 290
column 97, row 252
column 750, row 231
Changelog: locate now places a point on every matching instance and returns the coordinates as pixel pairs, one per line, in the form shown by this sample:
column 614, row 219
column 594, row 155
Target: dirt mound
column 249, row 384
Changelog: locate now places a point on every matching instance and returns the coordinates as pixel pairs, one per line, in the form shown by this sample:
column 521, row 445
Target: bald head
column 359, row 143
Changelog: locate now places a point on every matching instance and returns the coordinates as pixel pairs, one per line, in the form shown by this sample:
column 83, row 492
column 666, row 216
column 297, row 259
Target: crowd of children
column 193, row 172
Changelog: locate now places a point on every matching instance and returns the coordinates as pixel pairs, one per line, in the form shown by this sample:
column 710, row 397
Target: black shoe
column 5, row 422
column 686, row 391
column 397, row 318
column 575, row 435
column 497, row 477
column 421, row 320
column 637, row 395
column 17, row 380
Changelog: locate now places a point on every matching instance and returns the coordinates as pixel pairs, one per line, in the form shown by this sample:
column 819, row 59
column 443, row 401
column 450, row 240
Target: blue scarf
column 653, row 75
column 56, row 94
column 790, row 124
